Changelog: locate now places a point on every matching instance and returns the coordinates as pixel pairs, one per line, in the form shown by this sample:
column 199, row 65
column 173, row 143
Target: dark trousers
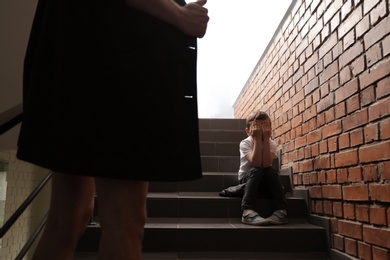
column 258, row 178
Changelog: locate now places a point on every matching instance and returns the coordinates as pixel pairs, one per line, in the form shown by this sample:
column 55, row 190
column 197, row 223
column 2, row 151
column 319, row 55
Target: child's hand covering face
column 261, row 129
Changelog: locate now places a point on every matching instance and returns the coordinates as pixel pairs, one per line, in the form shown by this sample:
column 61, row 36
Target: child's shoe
column 254, row 219
column 279, row 217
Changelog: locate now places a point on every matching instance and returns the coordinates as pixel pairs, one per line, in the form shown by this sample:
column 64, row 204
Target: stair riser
column 249, row 240
column 220, row 163
column 219, row 149
column 235, row 240
column 217, row 208
column 221, row 135
column 208, row 183
column 222, row 124
column 213, row 208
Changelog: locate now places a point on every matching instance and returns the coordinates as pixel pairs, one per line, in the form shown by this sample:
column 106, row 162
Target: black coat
column 111, row 92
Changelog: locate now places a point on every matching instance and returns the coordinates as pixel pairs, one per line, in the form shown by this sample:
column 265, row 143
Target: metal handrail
column 10, row 118
column 23, row 206
column 32, row 238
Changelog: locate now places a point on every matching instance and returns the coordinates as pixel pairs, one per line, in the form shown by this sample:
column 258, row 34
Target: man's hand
column 191, row 18
column 195, row 19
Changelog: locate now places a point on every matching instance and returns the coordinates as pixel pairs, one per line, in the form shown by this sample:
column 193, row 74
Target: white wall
column 15, row 23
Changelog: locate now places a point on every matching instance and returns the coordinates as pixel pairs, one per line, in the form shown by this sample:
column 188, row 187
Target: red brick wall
column 325, row 81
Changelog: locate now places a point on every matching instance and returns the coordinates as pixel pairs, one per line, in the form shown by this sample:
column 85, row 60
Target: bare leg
column 71, row 206
column 122, row 216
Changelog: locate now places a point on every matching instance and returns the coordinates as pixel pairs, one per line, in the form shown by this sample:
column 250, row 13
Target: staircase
column 189, row 220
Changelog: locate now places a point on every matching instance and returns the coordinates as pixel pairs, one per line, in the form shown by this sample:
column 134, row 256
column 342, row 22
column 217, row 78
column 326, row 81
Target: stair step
column 209, row 204
column 216, row 234
column 218, row 255
column 189, row 220
column 222, row 124
column 211, row 181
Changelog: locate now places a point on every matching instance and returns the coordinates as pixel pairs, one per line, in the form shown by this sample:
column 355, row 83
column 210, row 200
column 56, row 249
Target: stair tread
column 197, row 194
column 218, row 255
column 219, row 223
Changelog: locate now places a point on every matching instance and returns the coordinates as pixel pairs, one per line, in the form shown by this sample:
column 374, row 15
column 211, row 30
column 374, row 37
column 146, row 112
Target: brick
column 322, row 162
column 350, row 22
column 338, row 242
column 380, row 192
column 351, row 54
column 370, row 173
column 337, row 209
column 343, row 141
column 373, row 55
column 319, row 208
column 326, row 102
column 346, row 9
column 348, row 39
column 371, row 133
column 331, row 130
column 355, row 120
column 368, row 5
column 309, row 113
column 334, row 83
column 358, row 65
column 362, row 213
column 378, row 12
column 350, row 229
column 355, row 193
column 324, row 90
column 355, row 174
column 315, row 192
column 342, row 176
column 328, row 45
column 314, row 136
column 380, row 253
column 329, row 115
column 363, row 26
column 377, row 33
column 376, row 73
column 331, row 192
column 353, row 103
column 323, row 147
column 364, row 251
column 306, row 165
column 386, row 46
column 376, row 236
column 315, row 150
column 327, row 59
column 345, row 74
column 379, row 109
column 329, row 72
column 332, row 144
column 383, row 87
column 378, row 216
column 367, row 96
column 385, row 170
column 349, row 211
column 374, row 152
column 346, row 90
column 350, row 246
column 356, row 137
column 346, row 158
column 328, row 210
